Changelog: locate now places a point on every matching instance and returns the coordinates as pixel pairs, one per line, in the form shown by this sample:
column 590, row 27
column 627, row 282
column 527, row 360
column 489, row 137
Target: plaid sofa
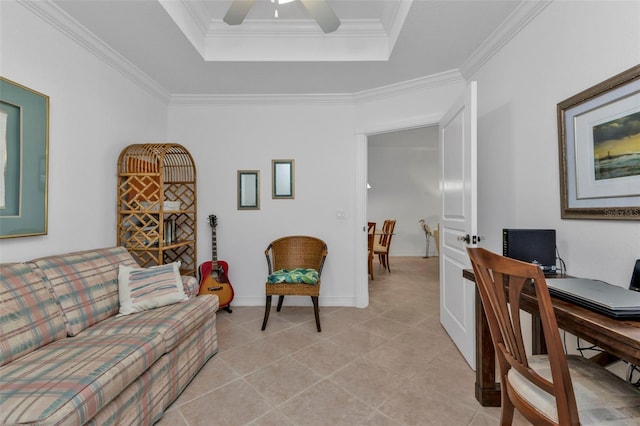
column 65, row 358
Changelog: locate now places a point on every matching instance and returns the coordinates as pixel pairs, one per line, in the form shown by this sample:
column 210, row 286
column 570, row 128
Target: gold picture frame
column 599, row 148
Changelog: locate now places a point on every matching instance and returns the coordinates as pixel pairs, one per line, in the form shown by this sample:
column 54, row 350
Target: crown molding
column 396, row 89
column 397, row 22
column 258, row 99
column 60, row 20
column 286, row 40
column 294, row 40
column 409, row 86
column 515, row 22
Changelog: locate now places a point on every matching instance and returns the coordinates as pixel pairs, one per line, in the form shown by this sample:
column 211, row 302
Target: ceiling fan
column 318, row 9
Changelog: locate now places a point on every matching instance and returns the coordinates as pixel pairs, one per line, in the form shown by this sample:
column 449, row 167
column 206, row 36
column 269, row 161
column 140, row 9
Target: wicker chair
column 290, row 253
column 554, row 389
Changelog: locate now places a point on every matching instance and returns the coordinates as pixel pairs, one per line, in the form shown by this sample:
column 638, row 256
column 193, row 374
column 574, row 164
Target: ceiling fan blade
column 323, row 14
column 237, row 11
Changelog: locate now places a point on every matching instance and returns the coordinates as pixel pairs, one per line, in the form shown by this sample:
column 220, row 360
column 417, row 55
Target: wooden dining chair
column 383, row 245
column 371, row 235
column 553, row 389
column 295, row 266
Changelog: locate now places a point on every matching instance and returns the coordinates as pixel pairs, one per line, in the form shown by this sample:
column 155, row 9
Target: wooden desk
column 618, row 338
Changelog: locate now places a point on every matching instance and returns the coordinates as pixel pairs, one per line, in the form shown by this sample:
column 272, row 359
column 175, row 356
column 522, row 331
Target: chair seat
column 602, row 398
column 377, row 248
column 293, row 276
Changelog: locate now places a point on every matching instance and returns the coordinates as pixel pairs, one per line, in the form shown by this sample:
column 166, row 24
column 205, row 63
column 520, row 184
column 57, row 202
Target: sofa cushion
column 141, row 289
column 70, row 380
column 85, row 284
column 30, row 317
column 190, row 285
column 143, row 402
column 174, row 322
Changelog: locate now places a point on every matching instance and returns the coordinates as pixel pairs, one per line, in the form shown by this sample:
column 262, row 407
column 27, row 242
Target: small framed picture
column 248, row 189
column 283, row 179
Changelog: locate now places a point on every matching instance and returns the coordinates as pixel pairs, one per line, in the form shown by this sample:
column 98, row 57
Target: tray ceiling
column 186, row 48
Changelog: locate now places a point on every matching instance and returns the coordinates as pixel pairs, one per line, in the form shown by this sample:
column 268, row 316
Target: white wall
column 569, row 47
column 94, row 112
column 326, row 139
column 227, row 137
column 404, row 174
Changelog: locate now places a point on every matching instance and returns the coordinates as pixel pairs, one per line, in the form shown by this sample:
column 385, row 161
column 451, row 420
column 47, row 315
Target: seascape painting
column 616, row 148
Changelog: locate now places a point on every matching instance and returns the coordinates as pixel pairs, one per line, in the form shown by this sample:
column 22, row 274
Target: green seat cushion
column 294, row 276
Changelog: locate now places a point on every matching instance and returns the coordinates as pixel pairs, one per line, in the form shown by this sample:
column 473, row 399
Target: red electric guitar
column 214, row 277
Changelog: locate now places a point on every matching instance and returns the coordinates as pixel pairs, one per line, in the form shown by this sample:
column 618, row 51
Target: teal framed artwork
column 283, row 179
column 24, row 153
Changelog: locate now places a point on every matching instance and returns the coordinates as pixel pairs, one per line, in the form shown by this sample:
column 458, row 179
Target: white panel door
column 458, row 222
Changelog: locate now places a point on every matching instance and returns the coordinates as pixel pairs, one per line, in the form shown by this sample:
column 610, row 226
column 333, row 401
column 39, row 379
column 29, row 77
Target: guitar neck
column 214, row 248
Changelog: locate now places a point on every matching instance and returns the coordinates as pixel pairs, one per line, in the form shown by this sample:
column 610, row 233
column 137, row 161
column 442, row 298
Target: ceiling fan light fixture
column 320, row 11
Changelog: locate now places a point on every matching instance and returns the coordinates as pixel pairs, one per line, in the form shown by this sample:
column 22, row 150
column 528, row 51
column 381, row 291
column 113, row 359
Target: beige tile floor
column 391, row 363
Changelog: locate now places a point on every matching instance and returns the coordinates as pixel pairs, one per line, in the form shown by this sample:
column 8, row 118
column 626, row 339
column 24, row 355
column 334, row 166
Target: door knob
column 466, row 239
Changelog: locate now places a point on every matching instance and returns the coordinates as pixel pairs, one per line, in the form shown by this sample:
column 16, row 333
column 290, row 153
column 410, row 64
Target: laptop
column 596, row 295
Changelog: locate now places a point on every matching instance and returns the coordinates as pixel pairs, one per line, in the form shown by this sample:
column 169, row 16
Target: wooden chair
column 290, row 253
column 551, row 389
column 371, row 235
column 383, row 245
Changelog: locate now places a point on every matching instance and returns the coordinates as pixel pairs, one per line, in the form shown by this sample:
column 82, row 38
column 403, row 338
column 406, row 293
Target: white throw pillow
column 141, row 289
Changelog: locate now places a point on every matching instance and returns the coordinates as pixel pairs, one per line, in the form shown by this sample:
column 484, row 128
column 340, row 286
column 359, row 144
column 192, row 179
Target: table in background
column 618, row 338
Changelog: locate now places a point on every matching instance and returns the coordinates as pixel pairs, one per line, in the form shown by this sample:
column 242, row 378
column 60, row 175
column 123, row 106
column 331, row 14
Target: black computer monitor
column 635, row 277
column 531, row 245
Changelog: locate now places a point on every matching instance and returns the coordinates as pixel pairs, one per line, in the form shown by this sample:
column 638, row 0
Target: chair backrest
column 387, row 232
column 297, row 251
column 391, row 226
column 371, row 234
column 500, row 282
column 383, row 237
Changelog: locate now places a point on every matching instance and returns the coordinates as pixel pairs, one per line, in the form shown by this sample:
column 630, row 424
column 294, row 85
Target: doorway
column 403, row 174
column 361, row 171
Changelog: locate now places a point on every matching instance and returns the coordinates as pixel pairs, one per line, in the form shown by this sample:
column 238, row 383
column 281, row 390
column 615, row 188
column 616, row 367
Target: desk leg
column 538, row 344
column 487, row 390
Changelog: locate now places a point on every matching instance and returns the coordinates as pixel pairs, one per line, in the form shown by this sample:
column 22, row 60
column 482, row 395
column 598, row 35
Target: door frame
column 360, row 191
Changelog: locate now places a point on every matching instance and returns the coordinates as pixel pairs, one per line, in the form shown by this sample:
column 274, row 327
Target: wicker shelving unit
column 157, row 204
